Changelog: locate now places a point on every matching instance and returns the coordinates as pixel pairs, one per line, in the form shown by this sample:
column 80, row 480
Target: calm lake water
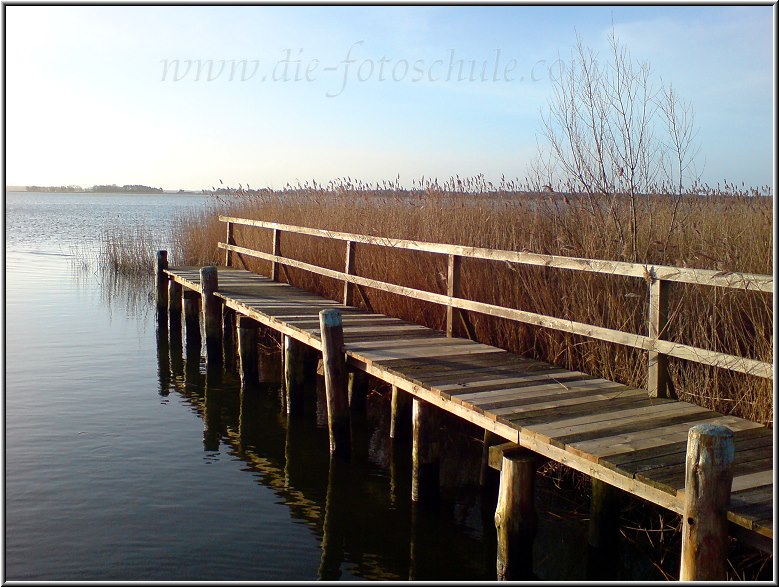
column 126, row 460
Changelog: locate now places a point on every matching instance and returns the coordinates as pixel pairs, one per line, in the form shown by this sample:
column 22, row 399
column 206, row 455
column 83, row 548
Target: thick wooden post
column 247, row 351
column 603, row 530
column 212, row 312
column 453, row 289
column 708, row 480
column 274, row 267
column 425, row 452
column 357, row 390
column 160, row 265
column 174, row 304
column 192, row 319
column 658, row 381
column 294, row 374
column 516, row 519
column 230, row 240
column 334, row 363
column 229, row 344
column 399, row 416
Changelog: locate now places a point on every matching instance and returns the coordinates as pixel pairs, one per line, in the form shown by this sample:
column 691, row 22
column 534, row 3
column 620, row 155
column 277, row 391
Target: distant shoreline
column 49, row 190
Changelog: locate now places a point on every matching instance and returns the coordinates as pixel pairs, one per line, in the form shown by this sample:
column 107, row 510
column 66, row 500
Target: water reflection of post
column 335, row 520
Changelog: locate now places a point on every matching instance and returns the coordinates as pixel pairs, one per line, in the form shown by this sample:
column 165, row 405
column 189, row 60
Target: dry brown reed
column 725, row 228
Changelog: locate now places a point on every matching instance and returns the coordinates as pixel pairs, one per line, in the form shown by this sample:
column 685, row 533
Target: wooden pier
column 715, row 470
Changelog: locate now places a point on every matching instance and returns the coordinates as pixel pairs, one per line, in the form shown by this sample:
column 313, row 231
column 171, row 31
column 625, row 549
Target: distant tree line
column 113, row 188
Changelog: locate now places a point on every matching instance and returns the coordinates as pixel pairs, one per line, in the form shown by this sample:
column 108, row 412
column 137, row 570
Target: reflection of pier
column 360, row 515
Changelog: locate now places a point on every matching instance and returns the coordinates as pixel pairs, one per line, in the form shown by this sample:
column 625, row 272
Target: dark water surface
column 126, row 460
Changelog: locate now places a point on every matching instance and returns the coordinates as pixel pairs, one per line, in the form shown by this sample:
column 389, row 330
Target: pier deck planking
column 606, row 430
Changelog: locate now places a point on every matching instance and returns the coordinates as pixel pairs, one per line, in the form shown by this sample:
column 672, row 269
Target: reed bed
column 727, row 229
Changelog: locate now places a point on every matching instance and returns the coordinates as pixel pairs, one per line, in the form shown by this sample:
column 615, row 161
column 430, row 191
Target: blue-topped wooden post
column 212, row 312
column 708, row 481
column 334, row 364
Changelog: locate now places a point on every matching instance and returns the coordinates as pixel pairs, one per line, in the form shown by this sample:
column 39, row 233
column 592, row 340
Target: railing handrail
column 727, row 279
column 658, row 348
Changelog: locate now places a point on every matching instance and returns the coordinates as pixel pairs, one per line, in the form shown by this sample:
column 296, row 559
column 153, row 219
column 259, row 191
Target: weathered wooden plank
column 648, row 457
column 380, row 355
column 691, row 417
column 538, row 404
column 603, row 448
column 500, row 403
column 482, row 385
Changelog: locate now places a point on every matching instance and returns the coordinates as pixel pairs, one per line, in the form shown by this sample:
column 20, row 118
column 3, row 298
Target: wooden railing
column 657, row 277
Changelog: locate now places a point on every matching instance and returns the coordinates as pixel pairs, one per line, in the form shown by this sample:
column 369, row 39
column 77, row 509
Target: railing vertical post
column 348, row 268
column 160, row 265
column 274, row 266
column 658, row 381
column 230, row 240
column 212, row 312
column 708, row 481
column 452, row 290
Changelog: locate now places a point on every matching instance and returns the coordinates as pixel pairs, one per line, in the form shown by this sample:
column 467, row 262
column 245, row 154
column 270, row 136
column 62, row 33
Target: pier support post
column 294, row 374
column 247, row 351
column 708, row 480
column 399, row 416
column 212, row 311
column 603, row 529
column 425, row 450
column 174, row 304
column 357, row 390
column 192, row 318
column 229, row 337
column 160, row 265
column 334, row 363
column 515, row 515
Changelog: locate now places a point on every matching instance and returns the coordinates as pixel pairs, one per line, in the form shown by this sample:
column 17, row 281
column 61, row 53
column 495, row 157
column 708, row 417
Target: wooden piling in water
column 247, row 351
column 294, row 374
column 229, row 344
column 192, row 318
column 425, row 450
column 336, row 385
column 603, row 529
column 399, row 417
column 516, row 519
column 174, row 300
column 160, row 265
column 212, row 312
column 357, row 390
column 708, row 481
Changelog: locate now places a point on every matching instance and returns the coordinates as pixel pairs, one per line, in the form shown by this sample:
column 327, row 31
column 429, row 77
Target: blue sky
column 102, row 94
